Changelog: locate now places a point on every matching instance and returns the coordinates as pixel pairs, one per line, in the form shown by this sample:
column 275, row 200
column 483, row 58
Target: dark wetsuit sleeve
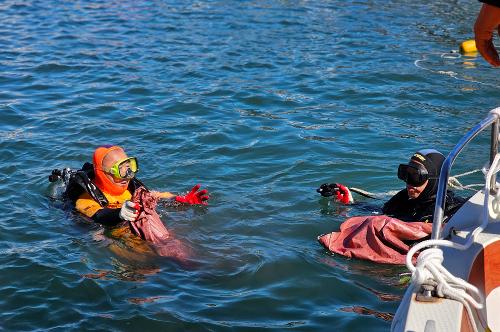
column 369, row 208
column 107, row 217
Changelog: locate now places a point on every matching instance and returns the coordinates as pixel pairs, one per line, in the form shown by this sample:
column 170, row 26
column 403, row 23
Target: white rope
column 455, row 184
column 451, row 74
column 469, row 173
column 429, row 268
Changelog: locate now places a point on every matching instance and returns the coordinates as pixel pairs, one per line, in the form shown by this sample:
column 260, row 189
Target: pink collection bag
column 376, row 238
column 150, row 227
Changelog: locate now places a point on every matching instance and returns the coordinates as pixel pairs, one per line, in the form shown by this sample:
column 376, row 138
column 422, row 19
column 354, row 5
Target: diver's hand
column 194, row 196
column 487, row 21
column 129, row 211
column 344, row 194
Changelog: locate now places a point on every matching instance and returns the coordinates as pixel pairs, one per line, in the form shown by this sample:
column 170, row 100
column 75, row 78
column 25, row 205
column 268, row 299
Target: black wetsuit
column 401, row 207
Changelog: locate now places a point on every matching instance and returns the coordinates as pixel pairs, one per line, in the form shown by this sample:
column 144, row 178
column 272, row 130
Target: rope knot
column 427, row 259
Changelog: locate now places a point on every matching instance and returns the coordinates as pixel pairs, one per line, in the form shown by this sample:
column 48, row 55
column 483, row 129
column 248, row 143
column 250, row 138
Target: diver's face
column 414, row 192
column 109, row 160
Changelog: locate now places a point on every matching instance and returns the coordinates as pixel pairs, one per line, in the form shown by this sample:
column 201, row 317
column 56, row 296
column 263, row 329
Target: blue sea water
column 260, row 102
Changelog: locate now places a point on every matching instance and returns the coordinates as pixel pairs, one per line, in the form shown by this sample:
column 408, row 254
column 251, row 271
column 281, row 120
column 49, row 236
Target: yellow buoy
column 468, row 46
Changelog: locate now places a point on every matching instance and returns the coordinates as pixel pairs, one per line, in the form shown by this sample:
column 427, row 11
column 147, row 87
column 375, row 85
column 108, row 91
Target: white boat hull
column 479, row 265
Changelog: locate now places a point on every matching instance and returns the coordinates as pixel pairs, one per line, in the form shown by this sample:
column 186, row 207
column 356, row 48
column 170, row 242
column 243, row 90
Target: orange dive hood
column 101, row 180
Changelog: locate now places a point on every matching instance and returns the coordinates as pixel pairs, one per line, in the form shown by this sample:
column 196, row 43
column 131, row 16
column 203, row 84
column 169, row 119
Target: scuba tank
column 76, row 182
column 59, row 181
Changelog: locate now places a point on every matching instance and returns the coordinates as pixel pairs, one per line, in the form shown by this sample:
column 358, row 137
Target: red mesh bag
column 150, row 227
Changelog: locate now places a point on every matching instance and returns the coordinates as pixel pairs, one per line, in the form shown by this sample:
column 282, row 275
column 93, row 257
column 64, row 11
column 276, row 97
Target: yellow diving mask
column 124, row 169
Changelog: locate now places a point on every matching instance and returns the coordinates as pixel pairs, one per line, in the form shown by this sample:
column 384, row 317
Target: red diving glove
column 344, row 194
column 194, row 196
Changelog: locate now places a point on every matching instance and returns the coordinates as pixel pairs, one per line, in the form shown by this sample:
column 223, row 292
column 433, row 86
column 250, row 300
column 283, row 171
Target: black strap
column 82, row 179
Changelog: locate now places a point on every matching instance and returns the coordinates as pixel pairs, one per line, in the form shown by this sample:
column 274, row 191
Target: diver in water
column 417, row 201
column 103, row 191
